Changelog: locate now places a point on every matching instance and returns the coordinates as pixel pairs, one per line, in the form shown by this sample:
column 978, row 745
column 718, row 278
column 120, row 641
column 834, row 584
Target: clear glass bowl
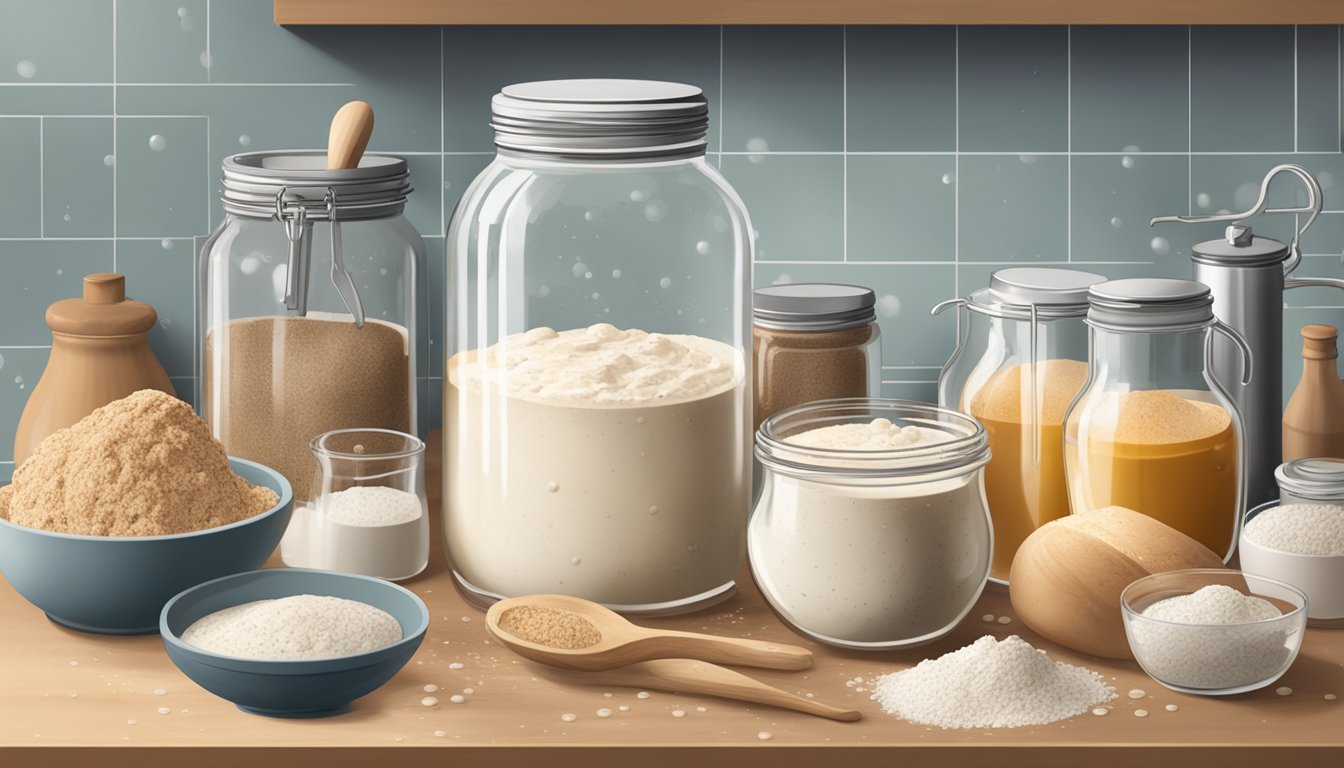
column 1214, row 659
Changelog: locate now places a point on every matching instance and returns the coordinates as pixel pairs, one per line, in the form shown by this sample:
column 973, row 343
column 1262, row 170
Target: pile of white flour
column 297, row 627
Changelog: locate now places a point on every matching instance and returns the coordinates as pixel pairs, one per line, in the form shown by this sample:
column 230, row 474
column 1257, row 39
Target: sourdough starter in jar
column 871, row 562
column 616, row 473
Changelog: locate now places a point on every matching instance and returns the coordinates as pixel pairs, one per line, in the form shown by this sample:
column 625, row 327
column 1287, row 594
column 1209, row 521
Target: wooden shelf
column 810, row 12
column 104, row 710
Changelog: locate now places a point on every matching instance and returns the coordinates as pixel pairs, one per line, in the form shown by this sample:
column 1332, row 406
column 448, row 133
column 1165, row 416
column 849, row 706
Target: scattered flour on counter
column 297, row 627
column 991, row 684
column 1303, row 529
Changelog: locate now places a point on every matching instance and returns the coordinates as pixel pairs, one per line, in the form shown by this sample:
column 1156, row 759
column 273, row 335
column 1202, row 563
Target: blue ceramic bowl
column 303, row 688
column 118, row 585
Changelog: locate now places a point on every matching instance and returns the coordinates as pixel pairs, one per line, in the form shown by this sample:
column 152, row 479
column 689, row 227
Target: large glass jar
column 871, row 531
column 307, row 306
column 596, row 395
column 1021, row 359
column 1153, row 430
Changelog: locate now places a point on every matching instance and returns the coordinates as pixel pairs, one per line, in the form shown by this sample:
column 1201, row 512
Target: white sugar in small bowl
column 1321, row 577
column 1214, row 659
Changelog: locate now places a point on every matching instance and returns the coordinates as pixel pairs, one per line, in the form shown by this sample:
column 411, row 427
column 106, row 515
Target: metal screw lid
column 254, row 182
column 1315, row 479
column 601, row 119
column 1150, row 304
column 1055, row 293
column 817, row 307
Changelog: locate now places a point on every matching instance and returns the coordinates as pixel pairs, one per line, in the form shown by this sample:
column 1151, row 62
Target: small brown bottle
column 1313, row 423
column 99, row 353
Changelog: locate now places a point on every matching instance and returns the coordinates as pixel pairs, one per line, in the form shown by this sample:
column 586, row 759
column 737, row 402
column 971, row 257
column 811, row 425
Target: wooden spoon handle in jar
column 727, row 650
column 350, row 131
column 700, row 677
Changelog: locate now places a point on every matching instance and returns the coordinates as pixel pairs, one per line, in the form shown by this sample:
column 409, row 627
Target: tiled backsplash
column 912, row 159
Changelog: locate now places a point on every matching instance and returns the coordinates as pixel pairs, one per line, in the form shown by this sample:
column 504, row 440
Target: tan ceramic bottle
column 99, row 353
column 1313, row 423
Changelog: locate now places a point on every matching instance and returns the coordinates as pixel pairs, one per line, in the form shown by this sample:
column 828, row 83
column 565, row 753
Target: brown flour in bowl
column 144, row 465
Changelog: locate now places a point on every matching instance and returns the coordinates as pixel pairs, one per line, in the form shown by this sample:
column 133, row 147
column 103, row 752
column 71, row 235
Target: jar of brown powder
column 308, row 306
column 813, row 341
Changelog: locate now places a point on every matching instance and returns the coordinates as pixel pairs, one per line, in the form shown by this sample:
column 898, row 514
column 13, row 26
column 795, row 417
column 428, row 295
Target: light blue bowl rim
column 411, row 636
column 286, row 497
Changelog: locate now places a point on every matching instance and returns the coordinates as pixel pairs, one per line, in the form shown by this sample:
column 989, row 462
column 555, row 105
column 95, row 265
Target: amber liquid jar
column 813, row 341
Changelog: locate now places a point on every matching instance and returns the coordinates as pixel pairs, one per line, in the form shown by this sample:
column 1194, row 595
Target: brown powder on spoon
column 550, row 627
column 144, row 465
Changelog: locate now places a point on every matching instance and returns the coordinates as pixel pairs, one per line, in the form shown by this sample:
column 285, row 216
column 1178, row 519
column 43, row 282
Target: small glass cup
column 1214, row 659
column 367, row 513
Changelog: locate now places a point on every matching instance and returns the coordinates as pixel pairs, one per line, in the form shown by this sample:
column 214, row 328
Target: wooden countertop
column 70, row 699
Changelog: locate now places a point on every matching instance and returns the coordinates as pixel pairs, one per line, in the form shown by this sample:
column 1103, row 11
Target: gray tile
column 185, row 389
column 783, row 89
column 906, row 293
column 162, row 278
column 162, row 192
column 902, row 88
column 458, row 173
column 681, row 54
column 38, row 273
column 1318, row 89
column 795, row 203
column 19, row 373
column 161, row 41
column 1113, row 199
column 425, row 206
column 64, row 42
column 77, row 177
column 1241, row 89
column 1014, row 89
column 56, row 100
column 1013, row 208
column 1120, row 99
column 20, row 201
column 1317, row 266
column 923, row 391
column 902, row 208
column 429, row 315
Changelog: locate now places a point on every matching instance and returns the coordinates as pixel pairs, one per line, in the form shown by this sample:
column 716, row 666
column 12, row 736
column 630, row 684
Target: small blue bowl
column 301, row 688
column 118, row 585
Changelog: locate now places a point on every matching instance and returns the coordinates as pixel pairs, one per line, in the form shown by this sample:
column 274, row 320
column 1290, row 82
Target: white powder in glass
column 297, row 627
column 372, row 530
column 1213, row 638
column 1304, row 529
column 371, row 506
column 876, row 435
column 991, row 684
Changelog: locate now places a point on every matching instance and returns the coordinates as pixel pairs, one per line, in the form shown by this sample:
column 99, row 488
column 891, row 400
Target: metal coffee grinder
column 1248, row 275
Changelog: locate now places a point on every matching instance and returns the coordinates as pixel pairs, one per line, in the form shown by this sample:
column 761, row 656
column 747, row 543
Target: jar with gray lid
column 1311, row 481
column 1153, row 430
column 307, row 306
column 596, row 386
column 1021, row 358
column 813, row 341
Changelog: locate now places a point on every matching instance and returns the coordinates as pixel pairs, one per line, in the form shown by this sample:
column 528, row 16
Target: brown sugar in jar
column 813, row 341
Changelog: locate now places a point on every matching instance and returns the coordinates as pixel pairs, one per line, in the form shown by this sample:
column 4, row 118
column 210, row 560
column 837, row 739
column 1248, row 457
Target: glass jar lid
column 1316, row 479
column 269, row 185
column 815, row 307
column 1054, row 293
column 1152, row 304
column 601, row 118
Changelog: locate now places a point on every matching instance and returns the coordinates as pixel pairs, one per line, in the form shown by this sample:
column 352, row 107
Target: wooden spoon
column 688, row 676
column 624, row 643
column 350, row 131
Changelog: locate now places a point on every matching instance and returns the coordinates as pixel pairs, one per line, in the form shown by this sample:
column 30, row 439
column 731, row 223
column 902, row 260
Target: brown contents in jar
column 144, row 465
column 551, row 627
column 1023, row 496
column 1164, row 453
column 792, row 368
column 272, row 384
